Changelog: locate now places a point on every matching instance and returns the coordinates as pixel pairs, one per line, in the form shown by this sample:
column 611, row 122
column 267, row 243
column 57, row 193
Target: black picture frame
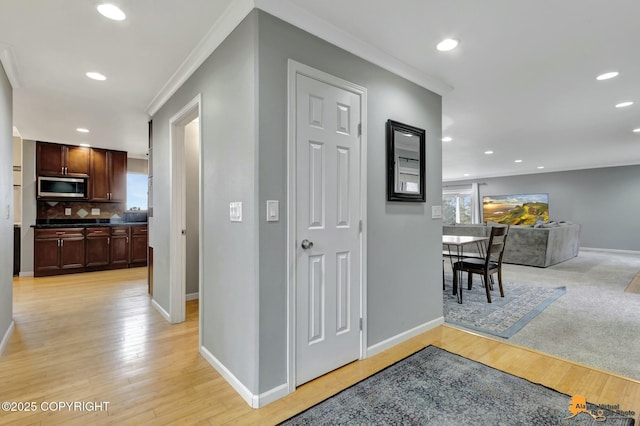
column 405, row 162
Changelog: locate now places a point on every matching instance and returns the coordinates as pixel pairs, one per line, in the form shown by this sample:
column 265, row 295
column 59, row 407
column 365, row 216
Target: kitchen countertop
column 86, row 225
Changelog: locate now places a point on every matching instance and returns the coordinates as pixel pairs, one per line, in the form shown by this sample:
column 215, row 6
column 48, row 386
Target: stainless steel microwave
column 61, row 187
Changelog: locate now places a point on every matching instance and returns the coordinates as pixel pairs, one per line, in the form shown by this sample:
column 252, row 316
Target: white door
column 327, row 227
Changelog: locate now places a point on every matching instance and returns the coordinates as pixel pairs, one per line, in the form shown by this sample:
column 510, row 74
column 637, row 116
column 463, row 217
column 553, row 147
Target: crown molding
column 312, row 24
column 285, row 10
column 9, row 63
column 224, row 25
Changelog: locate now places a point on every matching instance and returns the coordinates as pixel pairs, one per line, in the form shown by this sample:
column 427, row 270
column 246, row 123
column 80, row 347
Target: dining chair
column 487, row 266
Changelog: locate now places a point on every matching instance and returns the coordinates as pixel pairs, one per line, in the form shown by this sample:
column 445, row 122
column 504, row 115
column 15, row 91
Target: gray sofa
column 542, row 246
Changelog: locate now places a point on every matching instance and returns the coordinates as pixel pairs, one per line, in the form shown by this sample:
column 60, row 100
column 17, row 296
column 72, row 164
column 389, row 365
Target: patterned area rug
column 436, row 387
column 504, row 316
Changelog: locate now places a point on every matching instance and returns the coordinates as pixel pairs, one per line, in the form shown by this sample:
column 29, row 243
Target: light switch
column 67, row 211
column 273, row 210
column 95, row 212
column 436, row 212
column 235, row 211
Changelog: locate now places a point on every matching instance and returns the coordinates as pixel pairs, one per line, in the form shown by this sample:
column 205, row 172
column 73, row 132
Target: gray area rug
column 436, row 387
column 504, row 316
column 596, row 323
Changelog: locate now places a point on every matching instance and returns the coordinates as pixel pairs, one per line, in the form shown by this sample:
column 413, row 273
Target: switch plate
column 67, row 211
column 235, row 211
column 273, row 210
column 436, row 212
column 95, row 212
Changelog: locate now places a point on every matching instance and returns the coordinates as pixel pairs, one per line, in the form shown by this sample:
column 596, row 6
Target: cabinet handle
column 127, row 240
column 108, row 240
column 61, row 243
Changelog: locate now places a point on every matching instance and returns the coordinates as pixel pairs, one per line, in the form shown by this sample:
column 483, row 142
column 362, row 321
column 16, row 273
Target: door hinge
column 359, row 129
column 360, row 324
column 360, row 225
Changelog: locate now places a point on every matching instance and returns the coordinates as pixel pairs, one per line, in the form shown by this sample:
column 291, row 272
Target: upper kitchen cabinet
column 54, row 159
column 108, row 180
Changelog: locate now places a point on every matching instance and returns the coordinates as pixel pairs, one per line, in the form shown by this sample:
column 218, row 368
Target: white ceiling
column 523, row 76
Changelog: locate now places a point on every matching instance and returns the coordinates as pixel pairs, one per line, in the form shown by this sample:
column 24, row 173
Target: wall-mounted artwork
column 516, row 209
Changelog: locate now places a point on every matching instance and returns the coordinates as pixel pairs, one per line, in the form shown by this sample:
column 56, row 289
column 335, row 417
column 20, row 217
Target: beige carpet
column 634, row 286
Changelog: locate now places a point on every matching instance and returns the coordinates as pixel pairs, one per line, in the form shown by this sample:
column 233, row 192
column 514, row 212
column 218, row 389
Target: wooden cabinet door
column 99, row 176
column 72, row 254
column 77, row 161
column 46, row 254
column 49, row 159
column 97, row 247
column 120, row 246
column 118, row 176
column 139, row 245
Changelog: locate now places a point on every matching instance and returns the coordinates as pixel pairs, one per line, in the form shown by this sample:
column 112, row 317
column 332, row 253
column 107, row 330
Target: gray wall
column 226, row 81
column 6, row 203
column 29, row 209
column 404, row 243
column 604, row 201
column 138, row 165
column 244, row 296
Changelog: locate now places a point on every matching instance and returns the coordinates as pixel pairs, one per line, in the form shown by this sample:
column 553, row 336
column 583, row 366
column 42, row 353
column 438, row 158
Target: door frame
column 293, row 69
column 177, row 243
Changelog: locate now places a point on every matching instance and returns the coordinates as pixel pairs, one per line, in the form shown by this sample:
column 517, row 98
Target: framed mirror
column 405, row 162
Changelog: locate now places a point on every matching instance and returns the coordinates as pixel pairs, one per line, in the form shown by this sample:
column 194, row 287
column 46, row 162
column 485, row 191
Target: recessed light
column 518, row 161
column 624, row 104
column 466, row 174
column 607, row 75
column 636, row 130
column 541, row 167
column 111, row 11
column 86, row 145
column 447, row 139
column 82, row 130
column 488, row 152
column 96, row 76
column 447, row 44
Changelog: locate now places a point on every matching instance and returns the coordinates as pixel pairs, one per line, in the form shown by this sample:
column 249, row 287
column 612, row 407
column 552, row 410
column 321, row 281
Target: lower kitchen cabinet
column 67, row 250
column 97, row 247
column 58, row 251
column 120, row 246
column 139, row 243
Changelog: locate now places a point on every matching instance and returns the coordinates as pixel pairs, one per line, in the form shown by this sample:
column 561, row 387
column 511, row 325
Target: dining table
column 455, row 250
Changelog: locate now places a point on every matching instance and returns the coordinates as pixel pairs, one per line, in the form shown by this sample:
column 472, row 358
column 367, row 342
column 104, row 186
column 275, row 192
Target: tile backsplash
column 79, row 210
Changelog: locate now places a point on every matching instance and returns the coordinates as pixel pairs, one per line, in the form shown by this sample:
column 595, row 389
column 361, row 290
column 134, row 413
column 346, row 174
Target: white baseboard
column 406, row 335
column 7, row 336
column 610, row 250
column 160, row 309
column 192, row 296
column 273, row 394
column 26, row 274
column 249, row 398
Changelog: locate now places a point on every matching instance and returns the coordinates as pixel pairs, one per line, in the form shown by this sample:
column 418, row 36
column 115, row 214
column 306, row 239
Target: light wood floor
column 95, row 337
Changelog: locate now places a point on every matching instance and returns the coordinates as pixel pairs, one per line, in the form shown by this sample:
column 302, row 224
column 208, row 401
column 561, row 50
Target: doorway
column 186, row 210
column 327, row 229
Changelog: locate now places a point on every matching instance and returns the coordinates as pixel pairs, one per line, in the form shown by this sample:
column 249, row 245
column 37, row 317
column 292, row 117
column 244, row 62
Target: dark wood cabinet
column 97, row 246
column 66, row 250
column 53, row 159
column 108, row 172
column 58, row 250
column 120, row 246
column 139, row 243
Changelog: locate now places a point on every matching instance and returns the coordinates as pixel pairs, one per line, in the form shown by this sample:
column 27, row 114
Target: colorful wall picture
column 517, row 209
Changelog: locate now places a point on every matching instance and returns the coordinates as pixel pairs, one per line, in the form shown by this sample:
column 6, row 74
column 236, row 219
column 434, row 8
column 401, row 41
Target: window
column 137, row 191
column 459, row 205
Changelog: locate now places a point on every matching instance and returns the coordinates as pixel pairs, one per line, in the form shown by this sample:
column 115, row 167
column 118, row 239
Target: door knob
column 306, row 244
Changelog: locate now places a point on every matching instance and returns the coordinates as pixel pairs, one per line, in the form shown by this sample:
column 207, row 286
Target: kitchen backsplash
column 79, row 210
